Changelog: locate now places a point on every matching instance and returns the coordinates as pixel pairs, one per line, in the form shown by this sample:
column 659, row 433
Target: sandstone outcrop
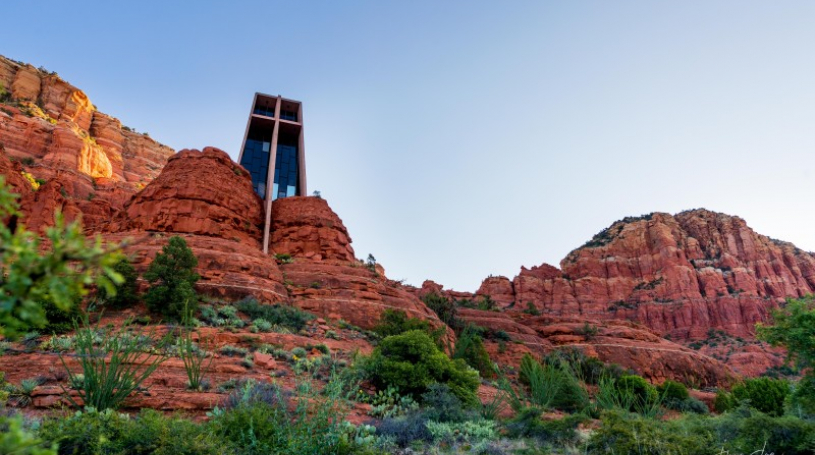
column 679, row 275
column 56, row 133
column 625, row 343
column 306, row 227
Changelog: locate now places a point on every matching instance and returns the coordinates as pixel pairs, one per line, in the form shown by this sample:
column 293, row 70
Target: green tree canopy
column 794, row 328
column 172, row 277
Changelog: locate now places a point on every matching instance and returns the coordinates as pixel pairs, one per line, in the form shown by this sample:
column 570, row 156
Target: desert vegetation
column 422, row 388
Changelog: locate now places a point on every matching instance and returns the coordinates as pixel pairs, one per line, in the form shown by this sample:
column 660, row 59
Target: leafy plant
column 196, row 361
column 412, row 362
column 172, row 279
column 127, row 291
column 765, row 394
column 105, row 384
column 16, row 439
column 470, row 348
column 281, row 315
column 32, row 274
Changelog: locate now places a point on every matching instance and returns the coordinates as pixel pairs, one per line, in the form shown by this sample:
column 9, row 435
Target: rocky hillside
column 627, row 296
column 86, row 160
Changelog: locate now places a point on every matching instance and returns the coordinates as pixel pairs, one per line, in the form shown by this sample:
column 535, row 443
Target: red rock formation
column 625, row 343
column 209, row 200
column 305, row 227
column 679, row 275
column 53, row 129
column 202, row 193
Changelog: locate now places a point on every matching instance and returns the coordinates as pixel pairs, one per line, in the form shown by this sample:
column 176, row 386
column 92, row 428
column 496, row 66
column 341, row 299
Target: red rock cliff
column 56, row 133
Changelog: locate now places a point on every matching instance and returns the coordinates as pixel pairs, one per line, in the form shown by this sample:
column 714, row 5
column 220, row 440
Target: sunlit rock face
column 54, row 131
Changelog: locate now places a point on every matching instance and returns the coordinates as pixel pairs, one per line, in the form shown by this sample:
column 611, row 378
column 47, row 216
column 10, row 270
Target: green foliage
column 32, row 275
column 552, row 385
column 262, row 421
column 105, row 384
column 172, row 279
column 470, row 348
column 764, row 394
column 672, row 390
column 61, row 320
column 412, row 362
column 470, row 431
column 280, row 315
column 640, row 389
column 528, row 424
column 91, row 432
column 284, row 258
column 127, row 291
column 18, row 440
column 724, row 401
column 396, row 322
column 444, row 308
column 388, row 403
column 196, row 361
column 622, row 433
column 794, row 328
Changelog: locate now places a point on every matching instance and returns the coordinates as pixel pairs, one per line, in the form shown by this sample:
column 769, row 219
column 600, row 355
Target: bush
column 260, row 422
column 558, row 432
column 724, row 401
column 674, row 391
column 96, row 433
column 444, row 308
column 631, row 434
column 403, row 431
column 396, row 322
column 441, row 405
column 412, row 362
column 286, row 316
column 126, row 291
column 172, row 281
column 104, row 384
column 470, row 348
column 552, row 385
column 803, row 397
column 16, row 439
column 765, row 394
column 61, row 320
column 32, row 274
column 640, row 389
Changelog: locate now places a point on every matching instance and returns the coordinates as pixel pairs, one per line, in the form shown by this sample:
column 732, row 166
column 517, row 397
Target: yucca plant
column 113, row 364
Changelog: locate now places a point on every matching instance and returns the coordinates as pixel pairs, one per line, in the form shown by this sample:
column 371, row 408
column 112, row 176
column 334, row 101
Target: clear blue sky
column 459, row 139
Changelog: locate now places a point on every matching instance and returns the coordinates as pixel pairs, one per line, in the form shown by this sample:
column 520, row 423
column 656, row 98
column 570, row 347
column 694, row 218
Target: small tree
column 172, row 279
column 127, row 291
column 470, row 348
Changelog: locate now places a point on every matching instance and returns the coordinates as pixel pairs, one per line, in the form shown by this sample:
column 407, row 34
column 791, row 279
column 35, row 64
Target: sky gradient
column 460, row 139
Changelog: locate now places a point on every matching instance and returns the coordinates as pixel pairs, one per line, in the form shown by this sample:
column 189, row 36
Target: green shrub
column 100, row 433
column 441, row 405
column 631, row 434
column 672, row 390
column 470, row 348
column 765, row 394
column 552, row 385
column 58, row 268
column 61, row 320
column 412, row 362
column 260, row 421
column 126, row 291
column 282, row 315
column 105, row 384
column 803, row 396
column 444, row 308
column 172, row 281
column 528, row 424
column 641, row 390
column 396, row 322
column 470, row 431
column 18, row 440
column 724, row 401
